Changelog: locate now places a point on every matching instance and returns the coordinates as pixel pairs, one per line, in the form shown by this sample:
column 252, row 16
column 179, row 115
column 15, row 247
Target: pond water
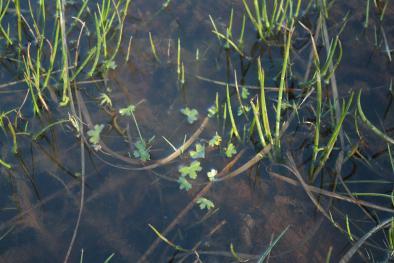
column 40, row 197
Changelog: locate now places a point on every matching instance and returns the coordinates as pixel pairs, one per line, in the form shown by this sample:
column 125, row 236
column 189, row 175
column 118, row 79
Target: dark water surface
column 41, row 194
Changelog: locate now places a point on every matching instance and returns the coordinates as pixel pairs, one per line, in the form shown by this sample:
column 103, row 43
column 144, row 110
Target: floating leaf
column 191, row 170
column 191, row 114
column 127, row 111
column 204, row 203
column 215, row 141
column 230, row 150
column 184, row 183
column 141, row 151
column 211, row 174
column 94, row 134
column 245, row 93
column 199, row 153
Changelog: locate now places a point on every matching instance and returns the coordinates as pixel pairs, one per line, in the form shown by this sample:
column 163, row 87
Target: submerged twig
column 187, row 208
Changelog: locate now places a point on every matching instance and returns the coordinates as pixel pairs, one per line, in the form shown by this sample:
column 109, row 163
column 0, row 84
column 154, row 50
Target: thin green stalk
column 281, row 88
column 3, row 11
column 121, row 22
column 378, row 132
column 367, row 14
column 178, row 69
column 234, row 126
column 241, row 36
column 153, row 47
column 263, row 104
column 38, row 134
column 19, row 21
column 14, row 140
column 331, row 143
column 65, row 59
column 316, row 148
column 5, row 164
column 258, row 124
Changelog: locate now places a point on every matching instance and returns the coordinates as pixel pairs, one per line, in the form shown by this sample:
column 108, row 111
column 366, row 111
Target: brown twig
column 187, row 208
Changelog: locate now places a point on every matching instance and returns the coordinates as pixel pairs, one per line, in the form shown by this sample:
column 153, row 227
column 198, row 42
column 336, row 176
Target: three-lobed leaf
column 199, row 153
column 191, row 114
column 212, row 174
column 215, row 141
column 184, row 183
column 128, row 111
column 245, row 93
column 205, row 203
column 191, row 170
column 94, row 134
column 230, row 150
column 141, row 151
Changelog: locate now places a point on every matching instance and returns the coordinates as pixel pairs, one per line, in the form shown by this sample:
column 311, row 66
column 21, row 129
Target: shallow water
column 40, row 195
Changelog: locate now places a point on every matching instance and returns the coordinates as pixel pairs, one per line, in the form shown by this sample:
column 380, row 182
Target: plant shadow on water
column 171, row 67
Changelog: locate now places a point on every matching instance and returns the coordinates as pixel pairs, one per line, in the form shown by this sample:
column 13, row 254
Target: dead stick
column 187, row 208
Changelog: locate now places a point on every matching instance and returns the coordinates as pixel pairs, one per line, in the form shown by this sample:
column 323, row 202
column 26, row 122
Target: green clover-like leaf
column 204, row 203
column 94, row 134
column 245, row 93
column 199, row 153
column 215, row 141
column 230, row 150
column 191, row 170
column 141, row 151
column 128, row 111
column 191, row 114
column 184, row 183
column 211, row 174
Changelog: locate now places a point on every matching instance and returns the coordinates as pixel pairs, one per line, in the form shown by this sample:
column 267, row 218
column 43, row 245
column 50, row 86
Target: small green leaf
column 230, row 150
column 191, row 114
column 110, row 64
column 204, row 203
column 191, row 170
column 211, row 174
column 240, row 112
column 215, row 141
column 199, row 153
column 94, row 134
column 212, row 111
column 183, row 183
column 245, row 93
column 391, row 235
column 128, row 111
column 105, row 100
column 141, row 151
